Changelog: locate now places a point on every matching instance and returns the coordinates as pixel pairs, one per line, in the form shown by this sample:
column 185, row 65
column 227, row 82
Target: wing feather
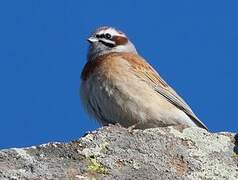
column 150, row 76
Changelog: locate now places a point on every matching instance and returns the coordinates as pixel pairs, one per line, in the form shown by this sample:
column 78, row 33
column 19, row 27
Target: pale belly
column 129, row 103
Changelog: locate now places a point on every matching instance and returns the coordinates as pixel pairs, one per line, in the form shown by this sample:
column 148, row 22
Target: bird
column 118, row 86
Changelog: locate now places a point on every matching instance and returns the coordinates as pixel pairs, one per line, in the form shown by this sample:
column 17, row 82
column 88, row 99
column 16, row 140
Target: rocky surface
column 116, row 153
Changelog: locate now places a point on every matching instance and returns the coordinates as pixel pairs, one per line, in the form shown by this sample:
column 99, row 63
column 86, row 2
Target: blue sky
column 193, row 44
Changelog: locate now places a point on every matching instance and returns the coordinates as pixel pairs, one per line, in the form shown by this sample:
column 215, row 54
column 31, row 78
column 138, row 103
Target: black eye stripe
column 111, row 45
column 106, row 36
column 100, row 36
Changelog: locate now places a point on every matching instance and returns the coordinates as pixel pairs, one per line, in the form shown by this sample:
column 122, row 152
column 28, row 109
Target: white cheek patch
column 108, row 41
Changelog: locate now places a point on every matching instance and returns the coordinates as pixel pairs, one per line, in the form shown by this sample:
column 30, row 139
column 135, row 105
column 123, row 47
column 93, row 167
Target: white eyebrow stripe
column 112, row 32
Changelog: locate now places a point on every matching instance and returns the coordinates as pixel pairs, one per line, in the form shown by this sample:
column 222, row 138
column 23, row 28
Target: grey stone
column 116, row 153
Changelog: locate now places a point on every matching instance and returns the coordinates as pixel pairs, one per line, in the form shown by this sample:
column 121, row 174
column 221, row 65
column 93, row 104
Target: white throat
column 98, row 49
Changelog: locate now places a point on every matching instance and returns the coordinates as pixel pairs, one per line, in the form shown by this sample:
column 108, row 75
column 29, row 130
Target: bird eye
column 97, row 36
column 108, row 36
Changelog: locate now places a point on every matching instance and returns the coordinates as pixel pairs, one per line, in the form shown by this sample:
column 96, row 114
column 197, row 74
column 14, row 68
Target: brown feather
column 96, row 63
column 89, row 68
column 145, row 72
column 119, row 40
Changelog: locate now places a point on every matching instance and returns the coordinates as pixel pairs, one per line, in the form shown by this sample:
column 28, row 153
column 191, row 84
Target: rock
column 115, row 153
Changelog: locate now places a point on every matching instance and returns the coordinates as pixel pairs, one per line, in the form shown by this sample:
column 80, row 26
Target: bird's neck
column 99, row 50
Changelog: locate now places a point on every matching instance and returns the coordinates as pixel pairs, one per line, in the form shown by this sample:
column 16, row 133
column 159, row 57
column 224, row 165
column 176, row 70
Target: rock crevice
column 115, row 153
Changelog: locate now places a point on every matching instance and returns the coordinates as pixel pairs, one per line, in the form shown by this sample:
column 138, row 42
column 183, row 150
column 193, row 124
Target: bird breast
column 113, row 93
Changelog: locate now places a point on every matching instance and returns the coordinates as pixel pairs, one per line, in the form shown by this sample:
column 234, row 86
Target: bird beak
column 92, row 39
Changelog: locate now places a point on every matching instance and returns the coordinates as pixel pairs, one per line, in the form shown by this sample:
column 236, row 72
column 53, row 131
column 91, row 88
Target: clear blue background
column 194, row 45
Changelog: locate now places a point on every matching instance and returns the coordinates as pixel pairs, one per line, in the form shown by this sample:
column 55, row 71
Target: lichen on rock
column 115, row 153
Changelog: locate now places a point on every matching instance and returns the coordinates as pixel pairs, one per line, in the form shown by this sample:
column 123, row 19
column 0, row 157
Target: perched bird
column 119, row 86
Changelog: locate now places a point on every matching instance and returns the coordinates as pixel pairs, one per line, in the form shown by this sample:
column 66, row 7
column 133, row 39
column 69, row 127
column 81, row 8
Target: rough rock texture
column 116, row 153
